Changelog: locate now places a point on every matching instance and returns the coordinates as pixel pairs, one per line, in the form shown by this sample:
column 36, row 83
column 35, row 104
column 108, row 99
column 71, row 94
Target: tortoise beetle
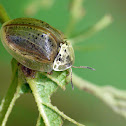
column 37, row 45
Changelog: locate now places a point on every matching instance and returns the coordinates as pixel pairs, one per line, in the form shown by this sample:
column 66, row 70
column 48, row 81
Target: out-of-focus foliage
column 109, row 62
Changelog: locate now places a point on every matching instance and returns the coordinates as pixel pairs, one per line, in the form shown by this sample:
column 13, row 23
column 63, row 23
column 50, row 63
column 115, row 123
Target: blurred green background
column 109, row 61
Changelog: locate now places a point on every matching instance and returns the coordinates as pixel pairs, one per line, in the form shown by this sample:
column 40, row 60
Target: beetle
column 37, row 45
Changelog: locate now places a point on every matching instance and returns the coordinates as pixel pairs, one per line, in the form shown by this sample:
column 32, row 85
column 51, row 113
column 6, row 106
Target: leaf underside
column 43, row 86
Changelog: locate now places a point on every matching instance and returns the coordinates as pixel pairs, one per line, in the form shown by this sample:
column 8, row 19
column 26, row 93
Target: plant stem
column 13, row 92
column 40, row 121
column 10, row 98
column 85, row 85
column 70, row 26
column 33, row 7
column 3, row 15
column 38, row 100
column 100, row 25
column 114, row 98
column 62, row 114
column 76, row 13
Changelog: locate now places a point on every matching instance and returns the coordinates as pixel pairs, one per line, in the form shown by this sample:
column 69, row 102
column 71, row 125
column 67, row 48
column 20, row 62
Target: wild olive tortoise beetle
column 37, row 45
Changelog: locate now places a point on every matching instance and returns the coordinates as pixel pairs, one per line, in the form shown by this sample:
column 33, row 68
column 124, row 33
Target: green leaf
column 59, row 78
column 42, row 86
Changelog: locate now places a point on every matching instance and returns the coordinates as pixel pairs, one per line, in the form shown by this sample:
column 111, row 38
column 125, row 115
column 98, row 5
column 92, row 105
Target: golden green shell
column 32, row 42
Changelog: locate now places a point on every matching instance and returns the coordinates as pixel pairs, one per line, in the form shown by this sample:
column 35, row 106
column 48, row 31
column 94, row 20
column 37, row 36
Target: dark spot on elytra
column 65, row 50
column 38, row 34
column 42, row 36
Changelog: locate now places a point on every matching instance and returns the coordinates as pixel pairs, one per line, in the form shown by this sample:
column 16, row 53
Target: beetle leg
column 50, row 72
column 28, row 72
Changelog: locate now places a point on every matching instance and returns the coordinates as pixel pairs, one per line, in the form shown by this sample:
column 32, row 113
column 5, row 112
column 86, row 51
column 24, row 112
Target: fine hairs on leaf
column 43, row 85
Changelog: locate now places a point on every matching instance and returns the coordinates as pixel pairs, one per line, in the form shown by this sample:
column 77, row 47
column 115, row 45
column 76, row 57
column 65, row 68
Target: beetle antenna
column 71, row 78
column 85, row 67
